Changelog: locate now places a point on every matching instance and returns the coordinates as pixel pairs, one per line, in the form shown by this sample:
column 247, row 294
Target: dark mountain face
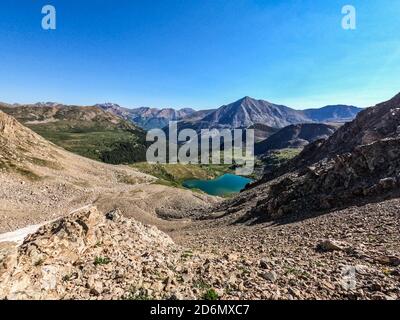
column 295, row 136
column 372, row 124
column 335, row 113
column 262, row 132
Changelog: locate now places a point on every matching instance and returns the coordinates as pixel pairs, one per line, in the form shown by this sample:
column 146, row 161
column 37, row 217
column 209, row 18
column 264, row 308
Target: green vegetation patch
column 111, row 146
column 175, row 174
column 276, row 158
column 210, row 294
column 99, row 261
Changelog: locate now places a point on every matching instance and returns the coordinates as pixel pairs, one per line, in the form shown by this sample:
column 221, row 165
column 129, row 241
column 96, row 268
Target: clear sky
column 200, row 53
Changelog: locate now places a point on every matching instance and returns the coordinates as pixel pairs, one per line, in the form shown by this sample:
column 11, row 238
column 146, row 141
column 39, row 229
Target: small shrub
column 211, row 294
column 98, row 261
column 39, row 262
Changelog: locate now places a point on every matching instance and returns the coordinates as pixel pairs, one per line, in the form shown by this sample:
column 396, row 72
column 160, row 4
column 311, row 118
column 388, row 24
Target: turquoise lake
column 221, row 186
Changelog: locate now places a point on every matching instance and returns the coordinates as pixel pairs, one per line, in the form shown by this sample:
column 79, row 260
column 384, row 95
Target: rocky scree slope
column 370, row 173
column 89, row 255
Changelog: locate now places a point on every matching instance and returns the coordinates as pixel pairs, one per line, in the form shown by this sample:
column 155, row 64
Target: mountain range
column 240, row 114
column 248, row 111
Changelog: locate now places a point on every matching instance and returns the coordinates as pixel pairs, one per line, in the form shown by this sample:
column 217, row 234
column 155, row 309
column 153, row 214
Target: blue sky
column 200, row 53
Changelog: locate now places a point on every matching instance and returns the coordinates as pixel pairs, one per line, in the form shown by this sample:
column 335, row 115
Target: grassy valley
column 87, row 131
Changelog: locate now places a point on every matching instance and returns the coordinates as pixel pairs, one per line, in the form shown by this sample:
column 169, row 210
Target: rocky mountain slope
column 370, row 173
column 345, row 254
column 372, row 124
column 87, row 255
column 87, row 131
column 295, row 136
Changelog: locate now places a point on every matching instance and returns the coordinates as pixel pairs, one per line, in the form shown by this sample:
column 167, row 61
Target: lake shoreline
column 225, row 185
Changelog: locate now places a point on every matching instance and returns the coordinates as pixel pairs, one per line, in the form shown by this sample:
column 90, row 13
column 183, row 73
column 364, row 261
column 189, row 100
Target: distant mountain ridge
column 295, row 136
column 333, row 113
column 148, row 118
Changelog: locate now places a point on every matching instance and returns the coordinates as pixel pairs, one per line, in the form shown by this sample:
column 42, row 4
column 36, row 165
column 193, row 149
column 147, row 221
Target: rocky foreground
column 90, row 255
column 349, row 254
